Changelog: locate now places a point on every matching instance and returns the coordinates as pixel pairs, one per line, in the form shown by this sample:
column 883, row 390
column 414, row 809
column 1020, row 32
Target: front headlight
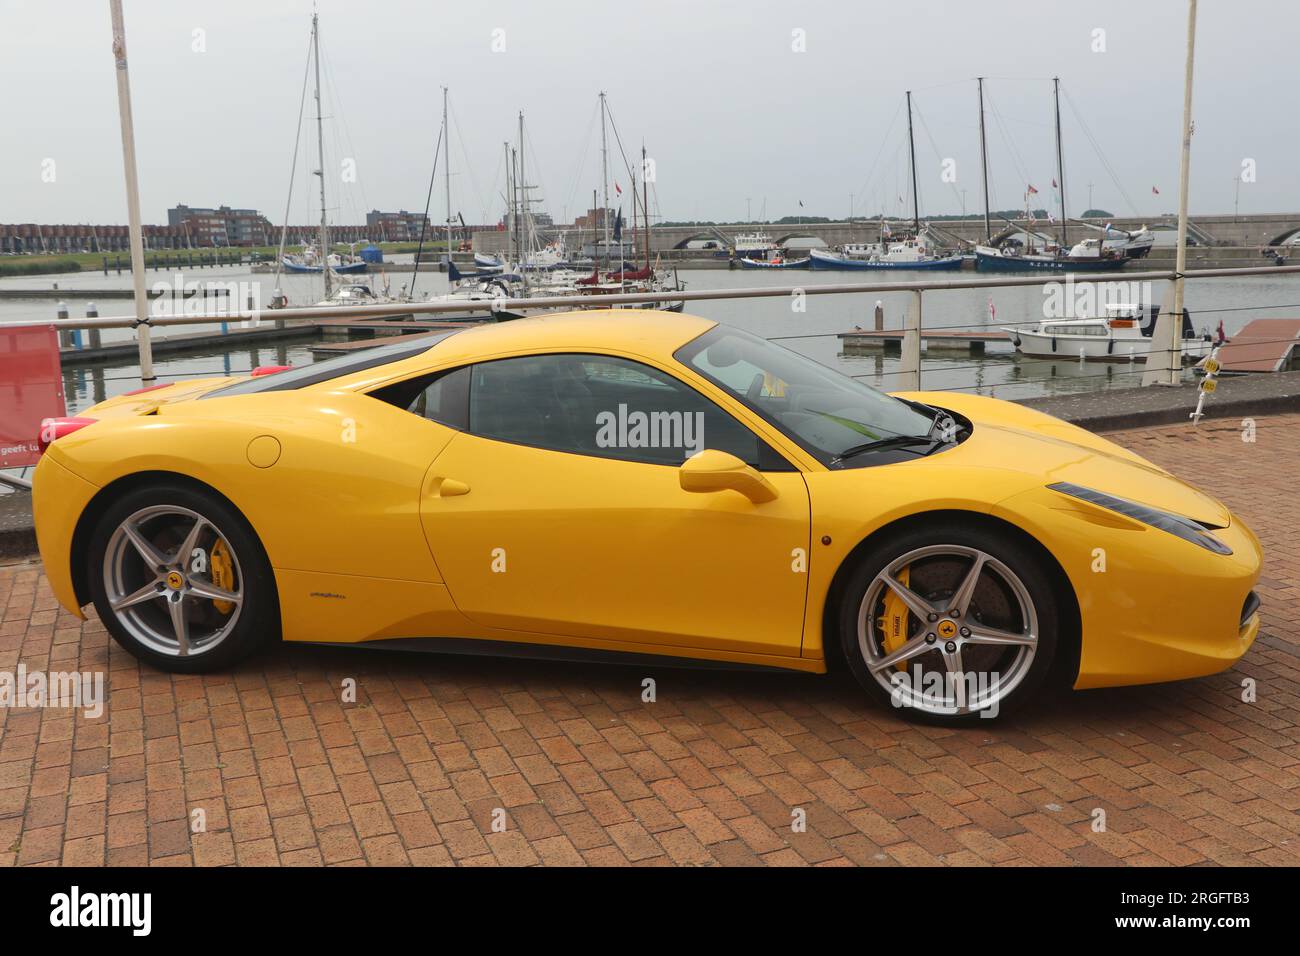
column 1185, row 528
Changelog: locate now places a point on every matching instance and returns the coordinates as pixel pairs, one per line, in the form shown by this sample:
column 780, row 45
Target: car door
column 560, row 509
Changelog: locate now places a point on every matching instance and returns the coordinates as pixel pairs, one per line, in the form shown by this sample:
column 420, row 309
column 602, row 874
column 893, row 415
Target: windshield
column 826, row 412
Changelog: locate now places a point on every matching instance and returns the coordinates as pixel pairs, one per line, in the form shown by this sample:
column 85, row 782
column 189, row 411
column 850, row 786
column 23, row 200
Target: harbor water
column 809, row 324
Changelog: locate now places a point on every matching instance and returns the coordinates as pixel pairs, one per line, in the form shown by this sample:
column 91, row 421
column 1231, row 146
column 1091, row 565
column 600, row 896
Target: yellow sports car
column 619, row 484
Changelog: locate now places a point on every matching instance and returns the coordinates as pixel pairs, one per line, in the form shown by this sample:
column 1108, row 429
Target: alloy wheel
column 947, row 629
column 173, row 581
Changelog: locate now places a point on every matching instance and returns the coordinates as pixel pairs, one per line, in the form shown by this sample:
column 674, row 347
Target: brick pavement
column 587, row 773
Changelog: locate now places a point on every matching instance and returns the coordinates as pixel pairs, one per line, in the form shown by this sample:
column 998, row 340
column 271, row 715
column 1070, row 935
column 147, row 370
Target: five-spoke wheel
column 949, row 623
column 179, row 579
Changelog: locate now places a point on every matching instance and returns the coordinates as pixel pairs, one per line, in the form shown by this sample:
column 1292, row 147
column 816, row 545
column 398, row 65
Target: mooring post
column 92, row 312
column 880, row 316
column 61, row 313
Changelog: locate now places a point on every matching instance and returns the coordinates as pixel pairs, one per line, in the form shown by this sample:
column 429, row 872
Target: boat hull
column 1095, row 348
column 985, row 262
column 827, row 261
column 803, row 263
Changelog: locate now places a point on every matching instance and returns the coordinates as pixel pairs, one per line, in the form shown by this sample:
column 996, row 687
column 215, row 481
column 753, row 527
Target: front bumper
column 59, row 498
column 1153, row 607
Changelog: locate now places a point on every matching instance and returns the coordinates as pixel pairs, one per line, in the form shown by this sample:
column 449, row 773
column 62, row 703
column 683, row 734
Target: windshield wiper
column 894, row 441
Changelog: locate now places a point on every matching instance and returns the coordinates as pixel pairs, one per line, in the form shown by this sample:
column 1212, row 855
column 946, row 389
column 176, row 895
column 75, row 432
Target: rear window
column 335, row 367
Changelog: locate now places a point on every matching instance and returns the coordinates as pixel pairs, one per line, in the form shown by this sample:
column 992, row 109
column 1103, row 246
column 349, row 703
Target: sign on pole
column 31, row 389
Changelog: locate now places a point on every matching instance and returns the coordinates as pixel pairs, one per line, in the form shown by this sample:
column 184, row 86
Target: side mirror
column 713, row 470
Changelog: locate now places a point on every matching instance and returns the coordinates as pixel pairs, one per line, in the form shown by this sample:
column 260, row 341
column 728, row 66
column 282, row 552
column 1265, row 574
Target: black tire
column 1004, row 612
column 256, row 616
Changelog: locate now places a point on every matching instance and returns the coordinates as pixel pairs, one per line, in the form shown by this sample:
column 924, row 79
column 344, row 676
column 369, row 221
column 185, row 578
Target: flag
column 1054, row 186
column 885, row 230
column 618, row 190
column 618, row 224
column 1154, row 191
column 993, row 310
column 1051, row 218
column 1033, row 191
column 1222, row 335
column 800, row 203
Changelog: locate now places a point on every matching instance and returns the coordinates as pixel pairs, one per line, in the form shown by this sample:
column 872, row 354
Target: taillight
column 148, row 388
column 270, row 369
column 52, row 429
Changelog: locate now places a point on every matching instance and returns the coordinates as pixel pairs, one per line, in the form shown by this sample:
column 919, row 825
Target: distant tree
column 1096, row 214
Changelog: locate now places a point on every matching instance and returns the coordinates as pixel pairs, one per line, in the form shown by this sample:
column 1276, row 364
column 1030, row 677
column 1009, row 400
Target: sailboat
column 908, row 252
column 318, row 259
column 1019, row 255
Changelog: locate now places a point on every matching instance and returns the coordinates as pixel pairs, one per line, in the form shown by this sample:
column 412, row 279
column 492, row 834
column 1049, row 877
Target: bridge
column 1267, row 229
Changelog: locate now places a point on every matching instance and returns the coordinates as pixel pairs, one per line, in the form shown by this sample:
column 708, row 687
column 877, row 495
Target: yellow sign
column 1211, row 366
column 1208, row 385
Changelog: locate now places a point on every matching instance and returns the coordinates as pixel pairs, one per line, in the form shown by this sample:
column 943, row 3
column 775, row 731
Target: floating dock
column 1264, row 345
column 974, row 342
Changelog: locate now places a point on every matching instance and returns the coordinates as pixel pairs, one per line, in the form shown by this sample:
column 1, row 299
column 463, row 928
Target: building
column 400, row 226
column 222, row 226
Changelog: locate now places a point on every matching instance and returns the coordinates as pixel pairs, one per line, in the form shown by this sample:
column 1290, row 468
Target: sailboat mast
column 510, row 206
column 984, row 167
column 911, row 147
column 645, row 206
column 320, row 146
column 604, row 166
column 1060, row 166
column 525, row 233
column 446, row 144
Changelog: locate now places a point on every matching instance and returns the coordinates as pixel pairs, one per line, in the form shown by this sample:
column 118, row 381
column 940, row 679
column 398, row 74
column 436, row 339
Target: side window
column 442, row 397
column 604, row 406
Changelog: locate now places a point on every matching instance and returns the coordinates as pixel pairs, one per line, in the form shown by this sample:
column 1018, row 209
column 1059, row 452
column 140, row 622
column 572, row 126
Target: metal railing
column 913, row 329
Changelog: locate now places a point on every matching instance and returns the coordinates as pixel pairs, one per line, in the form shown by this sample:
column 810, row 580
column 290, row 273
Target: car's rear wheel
column 949, row 624
column 180, row 579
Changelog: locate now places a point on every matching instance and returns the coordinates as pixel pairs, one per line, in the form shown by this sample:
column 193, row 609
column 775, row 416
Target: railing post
column 909, row 363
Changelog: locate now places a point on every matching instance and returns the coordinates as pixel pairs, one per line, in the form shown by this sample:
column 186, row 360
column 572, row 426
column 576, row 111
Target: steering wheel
column 755, row 390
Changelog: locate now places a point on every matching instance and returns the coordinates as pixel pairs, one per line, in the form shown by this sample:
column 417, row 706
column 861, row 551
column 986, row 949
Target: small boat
column 309, row 262
column 1010, row 259
column 754, row 245
column 777, row 262
column 822, row 259
column 356, row 293
column 482, row 261
column 1124, row 334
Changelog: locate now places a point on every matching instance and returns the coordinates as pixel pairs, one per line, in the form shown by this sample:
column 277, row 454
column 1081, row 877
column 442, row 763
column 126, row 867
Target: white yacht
column 1124, row 334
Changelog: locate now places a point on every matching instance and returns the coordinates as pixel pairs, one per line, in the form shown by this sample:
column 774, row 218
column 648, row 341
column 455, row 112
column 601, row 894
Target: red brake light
column 52, row 429
column 148, row 388
column 270, row 369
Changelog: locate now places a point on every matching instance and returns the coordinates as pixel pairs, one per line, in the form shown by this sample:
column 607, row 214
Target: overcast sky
column 770, row 101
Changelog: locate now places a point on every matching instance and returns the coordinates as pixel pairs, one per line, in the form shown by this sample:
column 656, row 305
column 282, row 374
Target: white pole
column 132, row 193
column 1169, row 327
column 1176, row 334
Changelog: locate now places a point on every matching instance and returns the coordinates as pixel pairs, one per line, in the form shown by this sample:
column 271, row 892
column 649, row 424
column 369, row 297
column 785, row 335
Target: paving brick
column 709, row 774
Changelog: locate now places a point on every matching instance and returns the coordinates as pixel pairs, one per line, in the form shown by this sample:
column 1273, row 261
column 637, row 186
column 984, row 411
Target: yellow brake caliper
column 223, row 573
column 893, row 623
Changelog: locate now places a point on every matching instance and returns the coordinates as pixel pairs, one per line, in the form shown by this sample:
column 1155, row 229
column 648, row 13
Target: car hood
column 1011, row 437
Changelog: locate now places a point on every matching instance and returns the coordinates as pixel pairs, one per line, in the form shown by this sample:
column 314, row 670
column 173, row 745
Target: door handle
column 448, row 488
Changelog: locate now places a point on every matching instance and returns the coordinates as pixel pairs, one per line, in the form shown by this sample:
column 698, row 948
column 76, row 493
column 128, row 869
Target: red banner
column 31, row 389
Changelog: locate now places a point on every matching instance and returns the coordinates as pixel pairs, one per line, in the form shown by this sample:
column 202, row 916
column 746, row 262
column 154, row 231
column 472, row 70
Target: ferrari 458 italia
column 631, row 485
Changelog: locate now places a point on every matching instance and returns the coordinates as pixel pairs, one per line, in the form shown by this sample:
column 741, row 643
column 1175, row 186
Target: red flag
column 618, row 190
column 993, row 310
column 1154, row 191
column 1033, row 191
column 1054, row 186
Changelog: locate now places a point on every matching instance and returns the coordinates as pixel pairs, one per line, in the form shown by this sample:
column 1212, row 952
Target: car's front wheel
column 949, row 624
column 180, row 579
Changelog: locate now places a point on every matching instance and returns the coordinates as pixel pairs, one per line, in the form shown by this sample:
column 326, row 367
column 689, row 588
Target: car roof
column 647, row 331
